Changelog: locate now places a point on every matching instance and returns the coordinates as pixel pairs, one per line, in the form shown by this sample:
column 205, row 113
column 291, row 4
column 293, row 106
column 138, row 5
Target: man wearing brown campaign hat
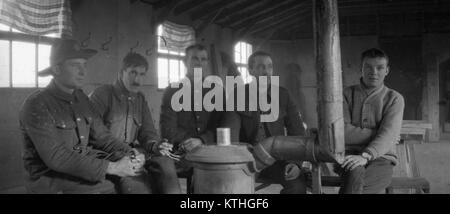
column 67, row 149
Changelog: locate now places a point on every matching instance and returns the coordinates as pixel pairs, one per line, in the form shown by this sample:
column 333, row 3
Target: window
column 21, row 57
column 242, row 51
column 171, row 67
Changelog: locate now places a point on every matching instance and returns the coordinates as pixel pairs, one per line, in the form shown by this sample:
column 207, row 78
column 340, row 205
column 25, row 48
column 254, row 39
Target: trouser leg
column 275, row 173
column 164, row 175
column 378, row 176
column 371, row 179
column 65, row 184
column 135, row 185
column 353, row 181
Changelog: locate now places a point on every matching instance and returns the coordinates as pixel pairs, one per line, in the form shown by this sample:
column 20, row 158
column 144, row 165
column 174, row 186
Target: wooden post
column 431, row 107
column 329, row 76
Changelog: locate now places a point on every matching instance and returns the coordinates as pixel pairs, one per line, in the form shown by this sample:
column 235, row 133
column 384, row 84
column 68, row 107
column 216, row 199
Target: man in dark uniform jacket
column 67, row 149
column 125, row 112
column 246, row 126
column 188, row 129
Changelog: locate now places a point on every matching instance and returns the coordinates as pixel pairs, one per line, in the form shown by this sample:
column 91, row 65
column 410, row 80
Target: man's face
column 133, row 77
column 374, row 70
column 71, row 73
column 197, row 59
column 262, row 66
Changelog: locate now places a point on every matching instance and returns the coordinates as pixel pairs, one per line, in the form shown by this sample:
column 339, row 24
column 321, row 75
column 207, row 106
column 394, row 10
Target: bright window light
column 20, row 61
column 242, row 51
column 171, row 67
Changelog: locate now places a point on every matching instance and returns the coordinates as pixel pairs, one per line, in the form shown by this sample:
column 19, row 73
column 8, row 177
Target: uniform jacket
column 64, row 138
column 125, row 114
column 244, row 125
column 182, row 125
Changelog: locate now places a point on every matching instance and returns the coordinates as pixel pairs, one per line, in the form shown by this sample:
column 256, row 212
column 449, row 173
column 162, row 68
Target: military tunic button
column 198, row 129
column 78, row 119
column 64, row 125
column 82, row 137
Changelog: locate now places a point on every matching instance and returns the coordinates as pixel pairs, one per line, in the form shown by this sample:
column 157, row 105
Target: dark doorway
column 407, row 72
column 444, row 98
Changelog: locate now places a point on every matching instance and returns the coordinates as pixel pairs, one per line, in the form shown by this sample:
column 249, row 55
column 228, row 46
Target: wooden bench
column 396, row 183
column 408, row 168
column 415, row 127
column 404, row 183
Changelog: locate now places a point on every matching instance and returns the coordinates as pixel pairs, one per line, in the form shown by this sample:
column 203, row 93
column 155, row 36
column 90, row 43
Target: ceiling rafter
column 248, row 14
column 211, row 9
column 230, row 12
column 282, row 22
column 283, row 27
column 276, row 15
column 157, row 4
column 187, row 6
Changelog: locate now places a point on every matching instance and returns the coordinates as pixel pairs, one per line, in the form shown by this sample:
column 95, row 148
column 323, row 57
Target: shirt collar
column 368, row 90
column 121, row 92
column 60, row 94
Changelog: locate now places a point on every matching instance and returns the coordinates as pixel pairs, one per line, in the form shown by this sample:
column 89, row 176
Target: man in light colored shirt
column 373, row 115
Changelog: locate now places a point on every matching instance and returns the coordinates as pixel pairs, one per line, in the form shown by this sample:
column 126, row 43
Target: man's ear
column 388, row 69
column 250, row 70
column 56, row 70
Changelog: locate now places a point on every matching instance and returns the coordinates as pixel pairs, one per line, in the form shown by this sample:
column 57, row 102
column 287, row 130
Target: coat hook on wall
column 135, row 46
column 149, row 52
column 104, row 45
column 85, row 42
column 164, row 40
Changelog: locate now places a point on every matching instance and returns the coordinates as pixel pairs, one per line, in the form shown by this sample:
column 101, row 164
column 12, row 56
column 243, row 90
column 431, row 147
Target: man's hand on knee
column 353, row 161
column 164, row 148
column 124, row 167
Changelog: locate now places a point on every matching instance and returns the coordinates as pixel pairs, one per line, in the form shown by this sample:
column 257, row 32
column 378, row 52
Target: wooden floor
column 434, row 164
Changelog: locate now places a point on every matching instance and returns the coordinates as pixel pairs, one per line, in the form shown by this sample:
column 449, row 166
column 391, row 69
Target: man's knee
column 295, row 186
column 378, row 176
column 161, row 161
column 160, row 164
column 164, row 176
column 353, row 181
column 135, row 185
column 355, row 174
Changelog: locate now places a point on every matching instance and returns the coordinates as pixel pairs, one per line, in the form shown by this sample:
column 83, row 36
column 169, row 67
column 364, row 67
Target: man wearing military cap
column 67, row 149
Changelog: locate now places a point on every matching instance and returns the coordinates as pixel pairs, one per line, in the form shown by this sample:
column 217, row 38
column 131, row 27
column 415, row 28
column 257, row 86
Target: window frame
column 240, row 64
column 11, row 37
column 167, row 55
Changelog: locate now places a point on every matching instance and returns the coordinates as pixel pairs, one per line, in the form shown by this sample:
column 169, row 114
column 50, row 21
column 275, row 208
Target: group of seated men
column 107, row 142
